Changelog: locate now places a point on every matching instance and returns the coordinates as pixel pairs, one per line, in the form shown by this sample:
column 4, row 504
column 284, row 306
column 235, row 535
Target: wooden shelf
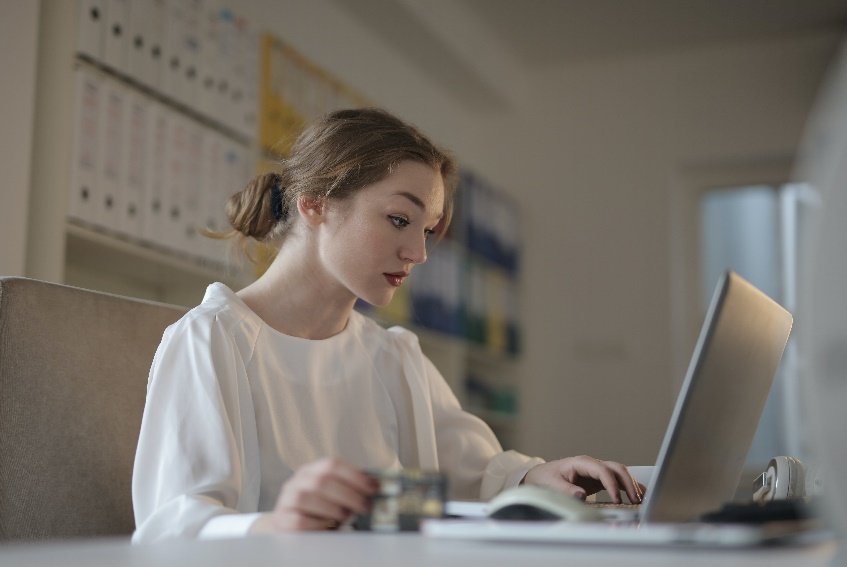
column 124, row 259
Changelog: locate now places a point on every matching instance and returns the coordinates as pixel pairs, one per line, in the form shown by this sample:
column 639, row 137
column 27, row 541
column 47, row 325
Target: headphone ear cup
column 779, row 469
column 789, row 478
column 797, row 484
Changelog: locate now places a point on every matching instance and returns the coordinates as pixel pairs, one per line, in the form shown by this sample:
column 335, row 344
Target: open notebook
column 707, row 440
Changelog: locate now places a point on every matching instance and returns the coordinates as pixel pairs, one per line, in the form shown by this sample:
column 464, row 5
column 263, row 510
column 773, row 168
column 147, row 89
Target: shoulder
column 396, row 342
column 395, row 337
column 220, row 315
column 404, row 337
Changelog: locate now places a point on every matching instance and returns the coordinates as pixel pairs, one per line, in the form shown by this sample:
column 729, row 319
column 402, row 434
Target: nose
column 414, row 251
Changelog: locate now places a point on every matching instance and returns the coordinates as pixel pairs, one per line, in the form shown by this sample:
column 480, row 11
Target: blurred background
column 616, row 157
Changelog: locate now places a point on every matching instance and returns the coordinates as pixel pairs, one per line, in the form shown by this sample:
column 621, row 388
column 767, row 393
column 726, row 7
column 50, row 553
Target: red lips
column 396, row 279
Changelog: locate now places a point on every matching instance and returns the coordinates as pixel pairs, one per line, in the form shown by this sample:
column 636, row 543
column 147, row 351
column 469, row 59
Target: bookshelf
column 112, row 253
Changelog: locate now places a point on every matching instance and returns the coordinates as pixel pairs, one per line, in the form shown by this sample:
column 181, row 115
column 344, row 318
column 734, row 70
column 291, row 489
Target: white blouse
column 234, row 407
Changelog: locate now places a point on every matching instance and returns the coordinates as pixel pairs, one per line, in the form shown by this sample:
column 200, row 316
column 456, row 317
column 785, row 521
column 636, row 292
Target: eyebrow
column 414, row 199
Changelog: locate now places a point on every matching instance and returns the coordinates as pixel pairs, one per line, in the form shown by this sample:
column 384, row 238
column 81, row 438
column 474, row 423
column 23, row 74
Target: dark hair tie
column 276, row 201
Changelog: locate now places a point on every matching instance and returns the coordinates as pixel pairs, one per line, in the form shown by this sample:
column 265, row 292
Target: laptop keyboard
column 613, row 506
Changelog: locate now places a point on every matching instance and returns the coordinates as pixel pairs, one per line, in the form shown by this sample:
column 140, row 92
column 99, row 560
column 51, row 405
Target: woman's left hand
column 581, row 476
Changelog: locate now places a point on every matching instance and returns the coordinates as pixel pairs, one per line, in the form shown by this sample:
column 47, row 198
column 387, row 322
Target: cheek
column 373, row 246
column 362, row 245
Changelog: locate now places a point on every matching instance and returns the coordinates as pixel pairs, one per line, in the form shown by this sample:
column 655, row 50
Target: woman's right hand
column 319, row 496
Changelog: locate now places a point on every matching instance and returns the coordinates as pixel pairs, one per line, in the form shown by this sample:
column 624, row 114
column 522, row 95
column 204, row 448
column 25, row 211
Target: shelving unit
column 90, row 254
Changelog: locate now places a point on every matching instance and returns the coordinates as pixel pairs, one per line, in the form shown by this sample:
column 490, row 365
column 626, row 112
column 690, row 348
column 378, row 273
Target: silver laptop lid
column 720, row 403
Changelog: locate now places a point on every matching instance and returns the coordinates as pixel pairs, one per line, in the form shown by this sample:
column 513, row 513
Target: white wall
column 598, row 168
column 18, row 40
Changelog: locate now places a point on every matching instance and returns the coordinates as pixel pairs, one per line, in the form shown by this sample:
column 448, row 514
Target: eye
column 399, row 221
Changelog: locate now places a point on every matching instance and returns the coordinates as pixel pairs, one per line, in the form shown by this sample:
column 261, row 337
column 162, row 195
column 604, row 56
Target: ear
column 311, row 209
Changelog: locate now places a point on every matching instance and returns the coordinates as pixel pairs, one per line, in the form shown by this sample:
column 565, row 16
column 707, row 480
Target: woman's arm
column 468, row 451
column 196, row 464
column 478, row 467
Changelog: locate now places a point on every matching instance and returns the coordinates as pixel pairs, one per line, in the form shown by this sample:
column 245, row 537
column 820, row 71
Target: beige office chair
column 73, row 379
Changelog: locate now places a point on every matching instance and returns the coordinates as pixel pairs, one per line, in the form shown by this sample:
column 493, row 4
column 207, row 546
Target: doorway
column 757, row 231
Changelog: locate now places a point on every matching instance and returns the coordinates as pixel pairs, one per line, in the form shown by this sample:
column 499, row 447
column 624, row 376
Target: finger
column 339, row 483
column 610, row 482
column 573, row 490
column 560, row 483
column 568, row 488
column 639, row 491
column 345, row 496
column 314, row 505
column 309, row 493
column 626, row 481
column 347, row 474
column 594, row 468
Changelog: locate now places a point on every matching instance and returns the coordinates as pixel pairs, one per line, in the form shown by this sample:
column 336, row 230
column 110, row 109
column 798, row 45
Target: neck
column 295, row 297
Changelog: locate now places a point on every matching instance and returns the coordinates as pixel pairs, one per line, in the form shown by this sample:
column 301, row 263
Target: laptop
column 710, row 432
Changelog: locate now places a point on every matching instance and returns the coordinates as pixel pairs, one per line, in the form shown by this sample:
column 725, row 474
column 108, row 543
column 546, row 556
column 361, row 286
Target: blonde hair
column 336, row 156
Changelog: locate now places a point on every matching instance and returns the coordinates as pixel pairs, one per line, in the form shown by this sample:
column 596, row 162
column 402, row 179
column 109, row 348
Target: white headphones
column 784, row 479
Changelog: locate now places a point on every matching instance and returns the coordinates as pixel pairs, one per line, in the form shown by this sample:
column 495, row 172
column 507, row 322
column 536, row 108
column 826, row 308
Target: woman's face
column 374, row 239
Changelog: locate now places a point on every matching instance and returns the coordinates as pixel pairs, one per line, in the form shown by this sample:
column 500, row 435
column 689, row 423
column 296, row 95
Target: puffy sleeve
column 196, row 465
column 466, row 448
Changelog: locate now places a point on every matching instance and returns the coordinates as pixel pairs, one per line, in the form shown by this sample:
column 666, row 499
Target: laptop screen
column 720, row 403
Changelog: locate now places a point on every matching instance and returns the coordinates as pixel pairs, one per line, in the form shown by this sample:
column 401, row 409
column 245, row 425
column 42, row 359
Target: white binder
column 139, row 42
column 192, row 197
column 175, row 181
column 91, row 25
column 172, row 65
column 153, row 204
column 190, row 52
column 135, row 163
column 156, row 11
column 227, row 53
column 207, row 67
column 84, row 193
column 115, row 40
column 203, row 184
column 246, row 95
column 136, row 50
column 111, row 171
column 216, row 193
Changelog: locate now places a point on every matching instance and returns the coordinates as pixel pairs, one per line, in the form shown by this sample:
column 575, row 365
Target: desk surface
column 405, row 550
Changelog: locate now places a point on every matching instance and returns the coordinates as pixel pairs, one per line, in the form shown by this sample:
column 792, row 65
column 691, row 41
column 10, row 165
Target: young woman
column 264, row 406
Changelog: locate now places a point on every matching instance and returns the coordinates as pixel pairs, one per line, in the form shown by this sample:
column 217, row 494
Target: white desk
column 402, row 550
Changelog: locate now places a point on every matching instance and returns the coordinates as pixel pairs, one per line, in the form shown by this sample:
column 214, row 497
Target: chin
column 378, row 300
column 381, row 302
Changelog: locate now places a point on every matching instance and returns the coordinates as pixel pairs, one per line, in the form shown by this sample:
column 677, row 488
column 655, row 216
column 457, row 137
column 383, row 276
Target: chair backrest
column 73, row 380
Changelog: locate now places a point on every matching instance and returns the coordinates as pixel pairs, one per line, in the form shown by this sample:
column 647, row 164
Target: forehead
column 414, row 182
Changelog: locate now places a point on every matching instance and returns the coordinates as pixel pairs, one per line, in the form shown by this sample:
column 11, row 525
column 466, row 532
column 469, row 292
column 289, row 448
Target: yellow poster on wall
column 293, row 91
column 279, row 121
